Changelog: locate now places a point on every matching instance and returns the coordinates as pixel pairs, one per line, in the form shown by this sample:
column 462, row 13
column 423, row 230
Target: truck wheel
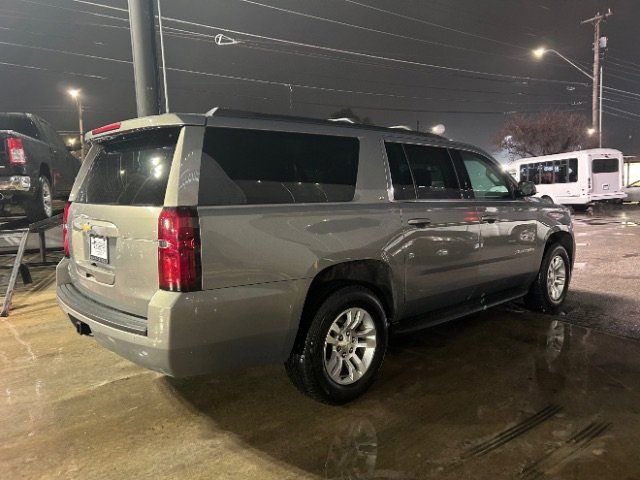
column 549, row 290
column 40, row 206
column 343, row 349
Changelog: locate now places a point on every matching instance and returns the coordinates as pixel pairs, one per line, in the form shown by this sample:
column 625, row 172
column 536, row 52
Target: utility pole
column 145, row 61
column 596, row 21
column 81, row 127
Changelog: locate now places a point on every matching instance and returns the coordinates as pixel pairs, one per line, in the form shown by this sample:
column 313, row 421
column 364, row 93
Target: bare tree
column 544, row 133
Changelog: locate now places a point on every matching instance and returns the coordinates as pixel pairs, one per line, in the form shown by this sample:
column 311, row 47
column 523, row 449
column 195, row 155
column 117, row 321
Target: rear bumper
column 15, row 183
column 188, row 334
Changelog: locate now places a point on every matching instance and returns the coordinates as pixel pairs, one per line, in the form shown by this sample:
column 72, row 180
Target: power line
column 375, row 30
column 361, row 54
column 611, row 89
column 619, row 110
column 466, row 112
column 31, row 67
column 432, row 24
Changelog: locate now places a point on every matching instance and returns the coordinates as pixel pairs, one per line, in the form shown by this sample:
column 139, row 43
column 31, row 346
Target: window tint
column 573, row 170
column 486, row 178
column 546, row 173
column 51, row 135
column 403, row 187
column 433, row 172
column 19, row 124
column 131, row 169
column 264, row 167
column 605, row 165
column 556, row 171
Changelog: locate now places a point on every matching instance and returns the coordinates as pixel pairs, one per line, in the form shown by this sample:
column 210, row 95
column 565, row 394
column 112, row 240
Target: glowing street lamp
column 539, row 52
column 591, row 131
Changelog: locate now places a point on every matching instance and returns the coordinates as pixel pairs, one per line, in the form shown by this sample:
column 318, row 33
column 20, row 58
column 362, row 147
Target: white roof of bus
column 575, row 154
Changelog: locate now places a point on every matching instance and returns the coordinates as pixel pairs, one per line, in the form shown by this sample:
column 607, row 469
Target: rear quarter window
column 252, row 167
column 131, row 169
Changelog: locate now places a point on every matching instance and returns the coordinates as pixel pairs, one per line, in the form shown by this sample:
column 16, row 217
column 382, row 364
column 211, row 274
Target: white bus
column 574, row 178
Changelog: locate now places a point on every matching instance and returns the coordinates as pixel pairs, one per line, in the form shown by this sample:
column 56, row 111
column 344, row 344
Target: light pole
column 75, row 94
column 540, row 52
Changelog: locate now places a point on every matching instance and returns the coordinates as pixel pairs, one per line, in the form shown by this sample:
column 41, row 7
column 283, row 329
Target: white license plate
column 605, row 186
column 99, row 249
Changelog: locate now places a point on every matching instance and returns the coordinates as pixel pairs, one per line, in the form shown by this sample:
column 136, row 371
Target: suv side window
column 401, row 177
column 487, row 181
column 431, row 170
column 252, row 167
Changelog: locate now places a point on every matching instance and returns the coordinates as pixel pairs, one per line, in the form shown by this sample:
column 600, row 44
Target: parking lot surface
column 502, row 394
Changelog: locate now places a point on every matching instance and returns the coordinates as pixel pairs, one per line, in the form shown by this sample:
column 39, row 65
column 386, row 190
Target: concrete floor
column 502, row 394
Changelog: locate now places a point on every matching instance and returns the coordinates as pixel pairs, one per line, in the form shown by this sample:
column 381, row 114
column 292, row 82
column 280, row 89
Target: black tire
column 35, row 207
column 540, row 298
column 306, row 364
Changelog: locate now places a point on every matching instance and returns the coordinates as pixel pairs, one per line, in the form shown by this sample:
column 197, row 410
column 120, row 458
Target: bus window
column 573, row 170
column 560, row 171
column 605, row 165
column 547, row 173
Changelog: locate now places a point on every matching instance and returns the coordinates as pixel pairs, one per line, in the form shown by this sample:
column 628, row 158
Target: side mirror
column 526, row 189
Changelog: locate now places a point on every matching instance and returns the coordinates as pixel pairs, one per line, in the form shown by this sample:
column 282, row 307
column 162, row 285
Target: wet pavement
column 502, row 394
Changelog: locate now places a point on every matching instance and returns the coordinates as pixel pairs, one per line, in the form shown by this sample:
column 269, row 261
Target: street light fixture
column 75, row 94
column 591, row 131
column 541, row 51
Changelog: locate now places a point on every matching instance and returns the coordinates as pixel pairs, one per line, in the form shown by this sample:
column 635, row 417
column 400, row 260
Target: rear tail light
column 589, row 183
column 179, row 267
column 65, row 228
column 15, row 150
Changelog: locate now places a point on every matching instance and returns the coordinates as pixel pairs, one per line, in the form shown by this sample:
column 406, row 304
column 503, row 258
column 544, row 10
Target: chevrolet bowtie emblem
column 86, row 227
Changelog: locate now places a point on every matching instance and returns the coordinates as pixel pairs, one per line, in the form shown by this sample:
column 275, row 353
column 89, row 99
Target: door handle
column 488, row 219
column 419, row 222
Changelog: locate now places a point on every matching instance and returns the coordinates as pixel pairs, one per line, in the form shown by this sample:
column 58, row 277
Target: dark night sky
column 493, row 36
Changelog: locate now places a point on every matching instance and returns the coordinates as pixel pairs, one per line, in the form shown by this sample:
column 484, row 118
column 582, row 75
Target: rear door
column 508, row 253
column 441, row 228
column 606, row 175
column 114, row 218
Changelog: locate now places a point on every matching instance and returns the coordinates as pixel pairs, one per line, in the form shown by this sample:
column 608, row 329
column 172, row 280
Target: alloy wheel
column 556, row 277
column 350, row 346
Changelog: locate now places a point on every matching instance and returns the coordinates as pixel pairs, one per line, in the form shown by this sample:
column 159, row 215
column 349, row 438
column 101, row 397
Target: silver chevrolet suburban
column 201, row 243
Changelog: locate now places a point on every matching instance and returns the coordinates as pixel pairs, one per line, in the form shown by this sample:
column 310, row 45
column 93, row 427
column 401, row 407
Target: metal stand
column 18, row 266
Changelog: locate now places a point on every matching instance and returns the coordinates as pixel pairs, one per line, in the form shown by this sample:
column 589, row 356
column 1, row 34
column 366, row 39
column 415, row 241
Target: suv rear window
column 242, row 167
column 132, row 169
column 19, row 124
column 605, row 165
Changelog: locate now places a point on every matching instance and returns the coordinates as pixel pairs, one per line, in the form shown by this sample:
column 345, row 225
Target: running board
column 436, row 317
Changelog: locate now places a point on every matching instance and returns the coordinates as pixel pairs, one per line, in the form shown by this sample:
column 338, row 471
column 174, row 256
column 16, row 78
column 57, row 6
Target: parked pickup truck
column 35, row 165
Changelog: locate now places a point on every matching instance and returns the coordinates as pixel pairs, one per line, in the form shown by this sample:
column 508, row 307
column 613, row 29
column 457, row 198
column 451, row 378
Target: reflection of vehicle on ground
column 633, row 192
column 35, row 166
column 574, row 178
column 201, row 243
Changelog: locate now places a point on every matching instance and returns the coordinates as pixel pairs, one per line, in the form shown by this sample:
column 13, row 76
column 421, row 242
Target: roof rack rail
column 342, row 119
column 401, row 127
